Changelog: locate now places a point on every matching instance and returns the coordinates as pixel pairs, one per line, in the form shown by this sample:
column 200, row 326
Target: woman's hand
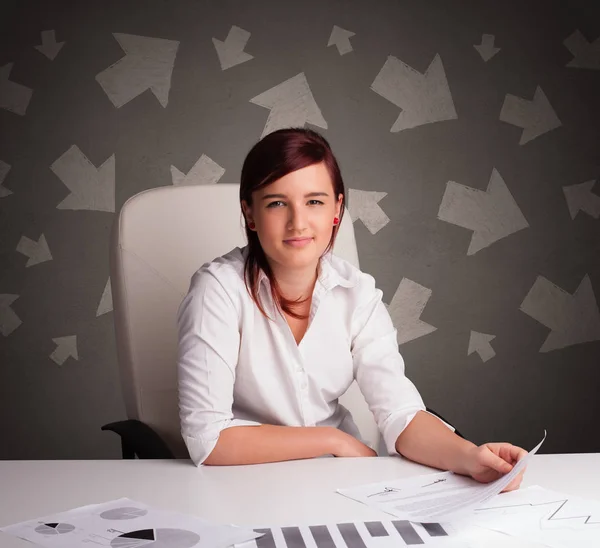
column 490, row 461
column 345, row 445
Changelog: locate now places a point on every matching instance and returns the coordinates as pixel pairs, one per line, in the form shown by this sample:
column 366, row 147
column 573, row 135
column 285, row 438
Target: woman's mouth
column 297, row 242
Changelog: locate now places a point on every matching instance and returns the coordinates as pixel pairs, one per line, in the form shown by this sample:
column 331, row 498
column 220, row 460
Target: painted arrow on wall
column 148, row 64
column 423, row 98
column 91, row 188
column 573, row 319
column 292, row 105
column 492, row 214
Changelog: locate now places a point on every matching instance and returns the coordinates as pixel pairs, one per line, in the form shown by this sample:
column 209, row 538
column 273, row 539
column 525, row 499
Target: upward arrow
column 148, row 64
column 291, row 104
column 341, row 38
column 50, row 47
column 581, row 198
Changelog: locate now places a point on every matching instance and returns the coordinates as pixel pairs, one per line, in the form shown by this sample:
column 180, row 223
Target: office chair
column 159, row 239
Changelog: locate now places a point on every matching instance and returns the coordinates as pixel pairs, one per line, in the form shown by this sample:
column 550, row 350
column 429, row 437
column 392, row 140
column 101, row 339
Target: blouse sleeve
column 209, row 340
column 379, row 367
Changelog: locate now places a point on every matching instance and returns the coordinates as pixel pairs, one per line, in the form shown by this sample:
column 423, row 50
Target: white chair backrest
column 159, row 239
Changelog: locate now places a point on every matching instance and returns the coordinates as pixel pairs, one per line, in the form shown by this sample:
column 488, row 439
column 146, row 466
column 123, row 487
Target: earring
column 251, row 225
column 336, row 221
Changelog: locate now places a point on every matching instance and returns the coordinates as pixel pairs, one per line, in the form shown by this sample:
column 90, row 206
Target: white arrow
column 536, row 117
column 148, row 64
column 4, row 169
column 341, row 38
column 480, row 343
column 231, row 51
column 91, row 188
column 586, row 55
column 50, row 47
column 38, row 252
column 486, row 49
column 581, row 198
column 423, row 98
column 292, row 105
column 406, row 308
column 9, row 321
column 13, row 96
column 363, row 205
column 66, row 346
column 204, row 172
column 492, row 214
column 106, row 303
column 573, row 319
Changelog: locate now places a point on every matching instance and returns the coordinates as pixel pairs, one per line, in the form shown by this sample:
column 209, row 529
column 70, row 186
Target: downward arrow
column 581, row 198
column 486, row 49
column 50, row 47
column 480, row 343
column 292, row 105
column 573, row 319
column 204, row 172
column 406, row 308
column 9, row 321
column 423, row 98
column 66, row 346
column 536, row 117
column 492, row 214
column 148, row 64
column 586, row 55
column 13, row 97
column 363, row 205
column 38, row 252
column 341, row 39
column 91, row 188
column 231, row 52
column 4, row 169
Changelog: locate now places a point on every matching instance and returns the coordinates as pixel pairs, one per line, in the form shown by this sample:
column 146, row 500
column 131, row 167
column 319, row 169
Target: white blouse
column 236, row 367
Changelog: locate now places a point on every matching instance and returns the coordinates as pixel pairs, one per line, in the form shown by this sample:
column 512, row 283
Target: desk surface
column 285, row 493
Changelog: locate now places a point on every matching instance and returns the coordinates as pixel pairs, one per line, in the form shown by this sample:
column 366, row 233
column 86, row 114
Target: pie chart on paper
column 54, row 528
column 156, row 538
column 127, row 512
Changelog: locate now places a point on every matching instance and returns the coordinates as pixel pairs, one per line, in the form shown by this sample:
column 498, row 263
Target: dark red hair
column 274, row 156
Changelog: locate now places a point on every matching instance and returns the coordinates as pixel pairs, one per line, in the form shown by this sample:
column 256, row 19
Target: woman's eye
column 315, row 202
column 275, row 204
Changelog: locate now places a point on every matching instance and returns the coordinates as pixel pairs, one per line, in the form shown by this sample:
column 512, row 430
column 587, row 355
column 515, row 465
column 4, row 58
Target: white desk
column 286, row 493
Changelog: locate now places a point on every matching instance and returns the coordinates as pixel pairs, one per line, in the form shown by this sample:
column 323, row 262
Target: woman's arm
column 270, row 443
column 427, row 441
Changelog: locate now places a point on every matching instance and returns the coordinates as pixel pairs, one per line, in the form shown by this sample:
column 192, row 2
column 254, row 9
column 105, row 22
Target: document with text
column 433, row 497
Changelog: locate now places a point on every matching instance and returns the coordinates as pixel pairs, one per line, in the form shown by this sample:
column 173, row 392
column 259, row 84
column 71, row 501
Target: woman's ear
column 338, row 205
column 247, row 210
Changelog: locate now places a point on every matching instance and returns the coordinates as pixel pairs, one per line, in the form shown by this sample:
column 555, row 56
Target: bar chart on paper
column 370, row 534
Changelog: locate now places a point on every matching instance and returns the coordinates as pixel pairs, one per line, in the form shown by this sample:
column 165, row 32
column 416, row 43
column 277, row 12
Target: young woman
column 270, row 335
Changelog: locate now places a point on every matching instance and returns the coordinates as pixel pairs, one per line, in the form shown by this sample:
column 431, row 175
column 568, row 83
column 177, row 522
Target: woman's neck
column 295, row 283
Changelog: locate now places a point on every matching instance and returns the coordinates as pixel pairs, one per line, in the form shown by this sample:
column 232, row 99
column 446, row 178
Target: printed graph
column 371, row 534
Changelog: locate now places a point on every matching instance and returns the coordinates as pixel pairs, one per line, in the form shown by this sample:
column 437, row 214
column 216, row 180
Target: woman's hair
column 274, row 156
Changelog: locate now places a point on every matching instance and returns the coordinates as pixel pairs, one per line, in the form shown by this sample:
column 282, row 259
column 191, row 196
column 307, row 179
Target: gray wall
column 471, row 218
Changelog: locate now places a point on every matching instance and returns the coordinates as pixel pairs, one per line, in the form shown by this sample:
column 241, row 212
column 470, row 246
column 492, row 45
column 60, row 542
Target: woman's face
column 293, row 216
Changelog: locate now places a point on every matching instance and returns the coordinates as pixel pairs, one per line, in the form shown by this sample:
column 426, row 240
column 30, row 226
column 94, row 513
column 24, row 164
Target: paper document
column 360, row 534
column 543, row 516
column 433, row 497
column 124, row 523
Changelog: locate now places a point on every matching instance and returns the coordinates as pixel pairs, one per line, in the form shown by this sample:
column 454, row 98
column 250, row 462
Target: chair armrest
column 138, row 439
